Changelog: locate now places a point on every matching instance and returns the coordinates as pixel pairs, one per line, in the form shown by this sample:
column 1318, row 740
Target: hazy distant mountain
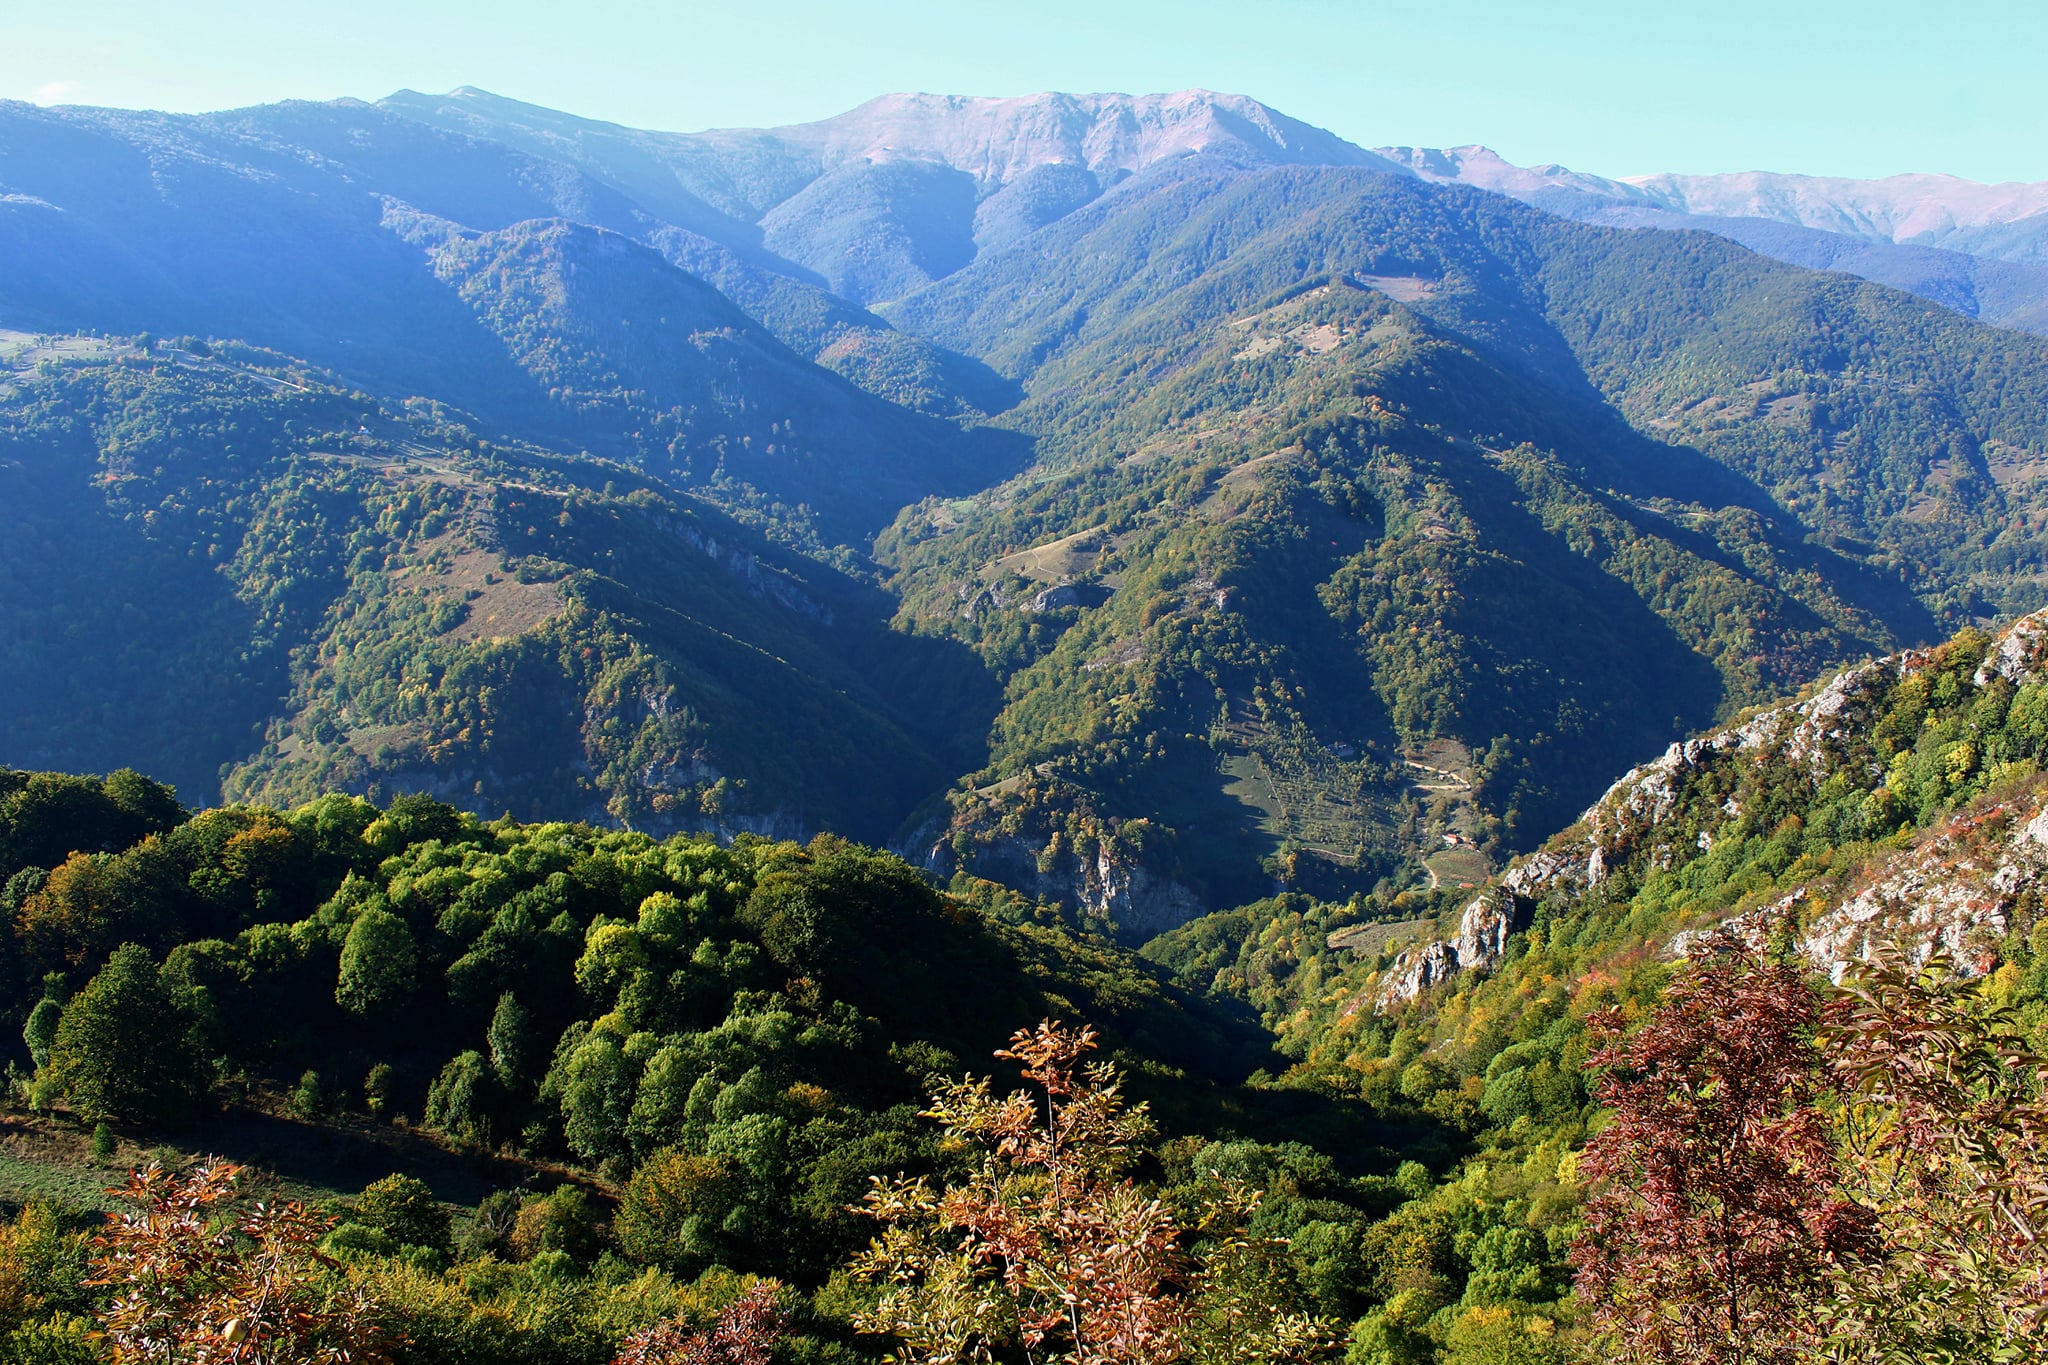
column 1922, row 210
column 346, row 235
column 2008, row 221
column 906, row 188
column 1979, row 249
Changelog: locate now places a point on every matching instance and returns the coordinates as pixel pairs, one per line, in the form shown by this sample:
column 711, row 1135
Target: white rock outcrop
column 1480, row 944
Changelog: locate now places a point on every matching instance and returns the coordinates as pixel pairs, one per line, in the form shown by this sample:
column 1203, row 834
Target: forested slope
column 233, row 569
column 1334, row 528
column 693, row 1056
column 1896, row 810
column 1560, row 494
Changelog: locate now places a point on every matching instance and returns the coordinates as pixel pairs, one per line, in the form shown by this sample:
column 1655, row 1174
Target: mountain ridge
column 1972, row 247
column 1226, row 497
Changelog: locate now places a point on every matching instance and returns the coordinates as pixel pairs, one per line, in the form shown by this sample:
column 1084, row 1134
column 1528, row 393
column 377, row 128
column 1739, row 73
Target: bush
column 563, row 1221
column 404, row 1209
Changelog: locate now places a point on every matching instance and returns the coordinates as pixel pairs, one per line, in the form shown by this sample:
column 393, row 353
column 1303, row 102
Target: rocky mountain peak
column 999, row 140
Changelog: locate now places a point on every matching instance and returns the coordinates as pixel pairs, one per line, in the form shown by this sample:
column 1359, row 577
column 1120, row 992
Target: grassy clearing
column 49, row 1157
column 1459, row 867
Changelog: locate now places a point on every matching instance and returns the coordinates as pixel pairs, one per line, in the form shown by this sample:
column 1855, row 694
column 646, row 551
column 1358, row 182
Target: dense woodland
column 689, row 1060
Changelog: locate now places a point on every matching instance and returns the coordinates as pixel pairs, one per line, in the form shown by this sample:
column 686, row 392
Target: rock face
column 1479, row 945
column 1813, row 733
column 1114, row 885
column 1951, row 894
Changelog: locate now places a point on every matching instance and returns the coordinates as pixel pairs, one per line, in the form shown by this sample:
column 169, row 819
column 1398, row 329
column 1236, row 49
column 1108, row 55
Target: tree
column 123, row 1047
column 672, row 1211
column 562, row 1221
column 1710, row 1223
column 405, row 1210
column 511, row 1039
column 744, row 1333
column 196, row 1280
column 378, row 964
column 1945, row 1155
column 1049, row 1245
column 461, row 1099
column 40, row 1030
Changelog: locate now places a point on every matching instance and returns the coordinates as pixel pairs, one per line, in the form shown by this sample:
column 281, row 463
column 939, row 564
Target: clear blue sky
column 1617, row 88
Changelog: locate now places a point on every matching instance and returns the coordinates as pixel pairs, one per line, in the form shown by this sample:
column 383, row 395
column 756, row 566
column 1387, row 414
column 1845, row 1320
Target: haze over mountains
column 1133, row 499
column 1979, row 249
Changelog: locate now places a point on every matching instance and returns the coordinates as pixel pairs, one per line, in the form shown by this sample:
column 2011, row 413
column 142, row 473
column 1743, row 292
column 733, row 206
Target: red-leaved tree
column 744, row 1333
column 1713, row 1218
column 197, row 1281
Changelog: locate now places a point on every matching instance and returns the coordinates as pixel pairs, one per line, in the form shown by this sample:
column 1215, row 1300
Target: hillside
column 663, row 1064
column 1300, row 431
column 234, row 570
column 750, row 1028
column 338, row 233
column 1898, row 805
column 1238, row 519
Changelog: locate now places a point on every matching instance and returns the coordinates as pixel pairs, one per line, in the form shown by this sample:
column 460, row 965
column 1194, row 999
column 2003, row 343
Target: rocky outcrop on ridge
column 1479, row 945
column 1951, row 893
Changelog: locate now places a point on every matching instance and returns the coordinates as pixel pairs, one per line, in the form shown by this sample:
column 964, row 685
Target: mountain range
column 1136, row 500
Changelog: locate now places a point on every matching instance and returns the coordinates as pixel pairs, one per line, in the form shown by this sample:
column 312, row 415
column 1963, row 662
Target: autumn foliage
column 1049, row 1245
column 1944, row 1147
column 196, row 1281
column 1801, row 1173
column 1713, row 1183
column 744, row 1333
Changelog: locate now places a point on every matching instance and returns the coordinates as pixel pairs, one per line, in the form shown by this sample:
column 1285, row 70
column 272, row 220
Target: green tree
column 123, row 1047
column 41, row 1029
column 405, row 1210
column 378, row 1086
column 379, row 963
column 460, row 1101
column 563, row 1221
column 672, row 1210
column 511, row 1038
